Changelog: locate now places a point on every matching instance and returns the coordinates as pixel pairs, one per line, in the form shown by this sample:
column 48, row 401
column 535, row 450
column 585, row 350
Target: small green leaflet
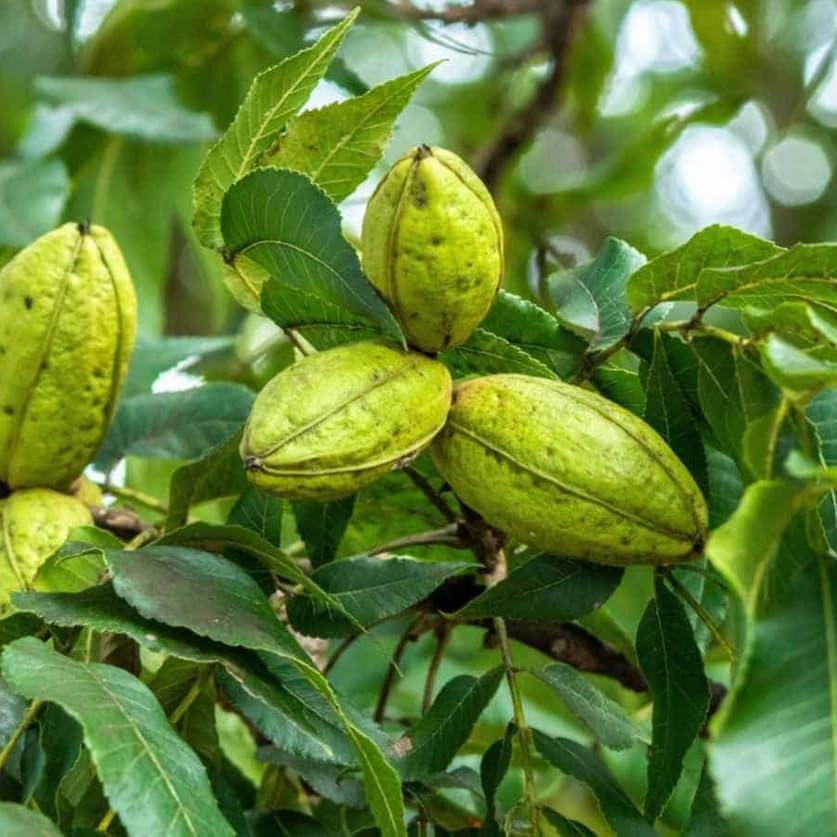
column 288, row 226
column 322, row 525
column 275, row 95
column 155, row 783
column 338, row 145
column 546, row 589
column 217, row 474
column 605, row 718
column 218, row 600
column 782, row 721
column 369, row 589
column 18, row 821
column 577, row 761
column 435, row 739
column 670, row 660
column 175, row 425
column 674, row 275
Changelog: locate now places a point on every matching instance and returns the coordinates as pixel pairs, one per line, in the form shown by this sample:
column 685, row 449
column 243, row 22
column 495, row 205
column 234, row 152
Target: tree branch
column 560, row 19
column 476, row 12
column 122, row 522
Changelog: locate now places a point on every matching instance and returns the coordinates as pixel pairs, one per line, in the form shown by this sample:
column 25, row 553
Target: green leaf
column 493, row 767
column 211, row 537
column 674, row 275
column 285, row 709
column 535, row 331
column 370, row 589
column 101, row 609
column 214, row 598
column 806, row 272
column 577, row 761
column 603, row 717
column 620, row 379
column 822, row 413
column 32, row 197
column 198, row 587
column 606, row 277
column 773, row 758
column 283, row 222
column 330, row 781
column 668, row 412
column 142, row 107
column 17, row 625
column 175, row 425
column 322, row 526
column 153, row 356
column 261, row 513
column 744, row 546
column 484, row 353
column 219, row 473
column 436, row 738
column 285, row 718
column 18, row 821
column 60, row 739
column 565, row 826
column 670, row 661
column 275, row 95
column 733, row 391
column 705, row 819
column 798, row 368
column 154, row 782
column 338, row 145
column 214, row 538
column 546, row 589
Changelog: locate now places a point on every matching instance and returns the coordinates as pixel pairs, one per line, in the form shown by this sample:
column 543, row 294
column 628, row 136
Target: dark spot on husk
column 28, row 302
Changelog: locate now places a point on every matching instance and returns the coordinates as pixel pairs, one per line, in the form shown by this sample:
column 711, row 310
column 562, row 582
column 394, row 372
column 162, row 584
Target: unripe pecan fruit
column 567, row 471
column 432, row 244
column 337, row 420
column 67, row 325
column 34, row 522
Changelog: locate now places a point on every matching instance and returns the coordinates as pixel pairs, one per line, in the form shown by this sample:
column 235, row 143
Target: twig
column 299, row 342
column 559, row 19
column 478, row 11
column 23, row 725
column 339, row 652
column 443, row 632
column 446, row 536
column 432, row 495
column 137, row 497
column 190, row 697
column 389, row 680
column 524, row 734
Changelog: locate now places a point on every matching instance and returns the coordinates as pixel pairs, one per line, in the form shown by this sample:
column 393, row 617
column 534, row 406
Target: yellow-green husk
column 567, row 471
column 432, row 245
column 337, row 420
column 67, row 327
column 34, row 523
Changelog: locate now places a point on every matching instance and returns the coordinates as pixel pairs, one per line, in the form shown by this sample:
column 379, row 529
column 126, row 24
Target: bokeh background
column 645, row 120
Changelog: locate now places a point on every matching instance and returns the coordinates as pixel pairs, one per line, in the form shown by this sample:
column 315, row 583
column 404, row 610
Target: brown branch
column 123, row 523
column 476, row 12
column 560, row 19
column 411, row 633
column 571, row 644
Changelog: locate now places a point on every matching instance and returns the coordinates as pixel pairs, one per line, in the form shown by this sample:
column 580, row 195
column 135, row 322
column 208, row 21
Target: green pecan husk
column 34, row 522
column 567, row 471
column 432, row 245
column 340, row 419
column 67, row 327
